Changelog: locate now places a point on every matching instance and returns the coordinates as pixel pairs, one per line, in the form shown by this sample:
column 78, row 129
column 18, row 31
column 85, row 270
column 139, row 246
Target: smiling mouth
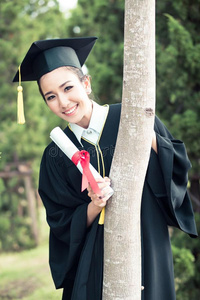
column 70, row 111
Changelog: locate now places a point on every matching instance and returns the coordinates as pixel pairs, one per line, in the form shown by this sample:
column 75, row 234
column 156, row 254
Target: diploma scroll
column 66, row 145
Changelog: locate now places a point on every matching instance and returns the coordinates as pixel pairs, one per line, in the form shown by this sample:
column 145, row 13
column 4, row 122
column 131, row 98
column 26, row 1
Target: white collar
column 97, row 121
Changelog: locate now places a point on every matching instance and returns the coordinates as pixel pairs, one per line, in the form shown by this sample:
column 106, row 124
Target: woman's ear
column 87, row 85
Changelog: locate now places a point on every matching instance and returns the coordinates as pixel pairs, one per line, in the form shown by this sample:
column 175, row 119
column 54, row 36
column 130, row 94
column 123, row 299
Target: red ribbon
column 84, row 158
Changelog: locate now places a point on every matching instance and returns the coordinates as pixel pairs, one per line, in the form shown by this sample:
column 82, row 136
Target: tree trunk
column 31, row 207
column 122, row 244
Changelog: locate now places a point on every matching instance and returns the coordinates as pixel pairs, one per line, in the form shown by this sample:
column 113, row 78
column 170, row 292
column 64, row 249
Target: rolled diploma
column 66, row 145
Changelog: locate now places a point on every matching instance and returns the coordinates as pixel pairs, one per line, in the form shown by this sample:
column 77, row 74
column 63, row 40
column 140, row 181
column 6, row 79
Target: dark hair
column 76, row 71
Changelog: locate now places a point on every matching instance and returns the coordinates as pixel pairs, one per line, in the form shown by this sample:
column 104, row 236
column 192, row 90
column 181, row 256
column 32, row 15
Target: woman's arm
column 154, row 142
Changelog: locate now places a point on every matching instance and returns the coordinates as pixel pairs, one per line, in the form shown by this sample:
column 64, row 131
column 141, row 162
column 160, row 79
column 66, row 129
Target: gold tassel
column 20, row 104
column 102, row 217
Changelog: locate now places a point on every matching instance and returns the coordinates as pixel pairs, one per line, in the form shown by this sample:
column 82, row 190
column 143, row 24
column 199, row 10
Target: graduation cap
column 47, row 55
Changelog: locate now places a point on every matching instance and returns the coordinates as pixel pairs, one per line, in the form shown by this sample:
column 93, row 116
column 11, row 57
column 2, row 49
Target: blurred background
column 24, row 271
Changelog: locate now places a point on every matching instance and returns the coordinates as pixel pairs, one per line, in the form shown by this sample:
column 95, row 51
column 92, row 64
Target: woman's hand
column 97, row 201
column 100, row 200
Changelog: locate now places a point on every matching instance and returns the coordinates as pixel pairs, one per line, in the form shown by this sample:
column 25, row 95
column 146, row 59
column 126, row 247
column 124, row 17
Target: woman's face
column 67, row 96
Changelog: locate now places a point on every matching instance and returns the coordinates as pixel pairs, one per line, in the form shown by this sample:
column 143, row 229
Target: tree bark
column 122, row 242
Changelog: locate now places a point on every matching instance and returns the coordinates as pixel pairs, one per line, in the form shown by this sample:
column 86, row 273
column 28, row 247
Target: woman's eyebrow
column 64, row 83
column 50, row 92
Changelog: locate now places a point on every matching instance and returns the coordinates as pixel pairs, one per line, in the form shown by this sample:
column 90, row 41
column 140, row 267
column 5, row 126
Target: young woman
column 76, row 236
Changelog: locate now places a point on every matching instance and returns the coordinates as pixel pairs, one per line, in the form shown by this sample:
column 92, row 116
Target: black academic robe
column 76, row 252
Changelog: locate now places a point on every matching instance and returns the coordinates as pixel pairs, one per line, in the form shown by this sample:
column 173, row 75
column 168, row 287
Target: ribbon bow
column 84, row 158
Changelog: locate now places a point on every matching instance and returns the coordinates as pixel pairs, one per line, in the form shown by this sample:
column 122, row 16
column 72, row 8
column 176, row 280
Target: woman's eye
column 67, row 88
column 50, row 97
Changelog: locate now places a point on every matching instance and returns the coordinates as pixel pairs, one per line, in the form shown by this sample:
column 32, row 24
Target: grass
column 26, row 275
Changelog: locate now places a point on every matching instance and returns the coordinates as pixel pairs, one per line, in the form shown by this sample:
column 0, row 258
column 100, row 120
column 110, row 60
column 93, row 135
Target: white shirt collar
column 97, row 121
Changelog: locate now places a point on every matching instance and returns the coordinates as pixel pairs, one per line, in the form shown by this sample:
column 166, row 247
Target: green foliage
column 20, row 25
column 178, row 73
column 14, row 223
column 184, row 268
column 186, row 254
column 104, row 19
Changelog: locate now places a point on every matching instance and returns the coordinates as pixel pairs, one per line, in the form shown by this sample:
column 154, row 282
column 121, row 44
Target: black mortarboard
column 48, row 55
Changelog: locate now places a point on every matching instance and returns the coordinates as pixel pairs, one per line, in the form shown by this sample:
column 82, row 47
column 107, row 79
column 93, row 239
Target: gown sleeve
column 66, row 211
column 167, row 177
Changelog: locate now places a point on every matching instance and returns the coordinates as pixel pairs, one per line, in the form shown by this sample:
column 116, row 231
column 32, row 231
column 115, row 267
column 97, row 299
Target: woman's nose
column 63, row 100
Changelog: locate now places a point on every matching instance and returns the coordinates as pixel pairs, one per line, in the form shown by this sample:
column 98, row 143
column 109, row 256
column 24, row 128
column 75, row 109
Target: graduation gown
column 76, row 252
